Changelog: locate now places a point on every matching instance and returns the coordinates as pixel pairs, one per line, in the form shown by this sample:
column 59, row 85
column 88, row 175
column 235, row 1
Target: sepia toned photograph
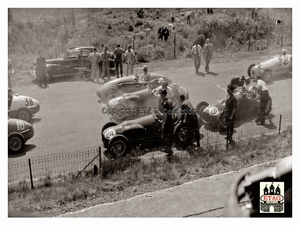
column 150, row 112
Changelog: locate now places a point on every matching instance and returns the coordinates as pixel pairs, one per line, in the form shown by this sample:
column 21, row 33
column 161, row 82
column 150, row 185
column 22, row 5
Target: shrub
column 158, row 53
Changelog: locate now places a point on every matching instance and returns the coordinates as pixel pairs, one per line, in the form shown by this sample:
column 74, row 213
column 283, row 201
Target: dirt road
column 70, row 117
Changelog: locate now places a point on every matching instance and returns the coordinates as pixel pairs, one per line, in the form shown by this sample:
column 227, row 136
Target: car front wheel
column 267, row 76
column 222, row 122
column 249, row 71
column 24, row 114
column 119, row 146
column 15, row 142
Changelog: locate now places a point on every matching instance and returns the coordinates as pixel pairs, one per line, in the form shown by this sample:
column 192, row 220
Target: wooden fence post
column 30, row 174
column 174, row 45
column 100, row 159
column 279, row 124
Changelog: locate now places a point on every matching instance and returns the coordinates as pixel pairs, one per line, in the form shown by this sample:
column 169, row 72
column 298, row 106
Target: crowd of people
column 163, row 33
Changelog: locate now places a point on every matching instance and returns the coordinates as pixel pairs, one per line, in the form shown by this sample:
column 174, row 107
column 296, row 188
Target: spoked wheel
column 24, row 114
column 222, row 122
column 119, row 146
column 15, row 142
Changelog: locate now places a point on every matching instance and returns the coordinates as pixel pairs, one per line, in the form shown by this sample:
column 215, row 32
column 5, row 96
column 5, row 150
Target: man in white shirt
column 264, row 97
column 164, row 86
column 284, row 58
column 196, row 54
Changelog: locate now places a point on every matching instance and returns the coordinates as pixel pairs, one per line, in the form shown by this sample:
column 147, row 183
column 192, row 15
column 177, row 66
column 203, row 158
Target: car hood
column 14, row 124
column 270, row 63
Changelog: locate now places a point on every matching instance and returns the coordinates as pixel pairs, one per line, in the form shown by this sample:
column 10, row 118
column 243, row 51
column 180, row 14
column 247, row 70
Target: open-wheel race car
column 140, row 103
column 144, row 133
column 19, row 131
column 123, row 85
column 247, row 104
column 270, row 68
column 21, row 107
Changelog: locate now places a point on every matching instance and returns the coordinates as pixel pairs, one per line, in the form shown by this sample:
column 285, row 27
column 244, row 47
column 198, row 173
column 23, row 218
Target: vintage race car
column 265, row 193
column 270, row 68
column 123, row 85
column 19, row 131
column 22, row 107
column 247, row 104
column 140, row 103
column 144, row 132
column 74, row 58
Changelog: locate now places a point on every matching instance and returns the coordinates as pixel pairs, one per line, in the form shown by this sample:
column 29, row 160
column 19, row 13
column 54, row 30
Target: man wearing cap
column 237, row 81
column 189, row 117
column 264, row 97
column 146, row 76
column 119, row 54
column 167, row 122
column 207, row 54
column 229, row 110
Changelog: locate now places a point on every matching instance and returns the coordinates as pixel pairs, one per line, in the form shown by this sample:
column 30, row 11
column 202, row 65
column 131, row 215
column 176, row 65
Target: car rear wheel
column 249, row 71
column 119, row 146
column 222, row 122
column 15, row 142
column 24, row 114
column 267, row 76
column 183, row 135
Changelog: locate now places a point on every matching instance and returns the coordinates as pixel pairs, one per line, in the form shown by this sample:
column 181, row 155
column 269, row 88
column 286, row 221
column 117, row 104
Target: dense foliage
column 54, row 30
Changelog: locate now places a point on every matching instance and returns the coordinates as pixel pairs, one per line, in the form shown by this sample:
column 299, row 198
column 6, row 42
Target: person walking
column 95, row 69
column 229, row 110
column 105, row 57
column 167, row 122
column 207, row 54
column 196, row 54
column 130, row 60
column 119, row 54
column 189, row 117
column 264, row 97
column 41, row 70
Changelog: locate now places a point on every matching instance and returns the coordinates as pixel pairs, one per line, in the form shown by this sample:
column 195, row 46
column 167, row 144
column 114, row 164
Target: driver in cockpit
column 284, row 57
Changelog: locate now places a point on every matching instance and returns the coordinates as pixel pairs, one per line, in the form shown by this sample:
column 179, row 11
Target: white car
column 22, row 107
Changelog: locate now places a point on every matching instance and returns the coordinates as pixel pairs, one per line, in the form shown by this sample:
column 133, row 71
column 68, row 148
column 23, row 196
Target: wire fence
column 74, row 163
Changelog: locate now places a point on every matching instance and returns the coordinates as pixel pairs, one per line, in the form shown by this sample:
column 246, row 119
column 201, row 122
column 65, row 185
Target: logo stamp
column 271, row 197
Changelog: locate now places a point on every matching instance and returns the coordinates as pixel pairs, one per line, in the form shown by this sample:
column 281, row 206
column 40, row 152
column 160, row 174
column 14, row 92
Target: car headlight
column 213, row 111
column 109, row 133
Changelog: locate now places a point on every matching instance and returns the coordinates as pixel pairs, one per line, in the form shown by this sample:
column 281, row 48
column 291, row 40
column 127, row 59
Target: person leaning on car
column 229, row 110
column 167, row 122
column 189, row 117
column 264, row 97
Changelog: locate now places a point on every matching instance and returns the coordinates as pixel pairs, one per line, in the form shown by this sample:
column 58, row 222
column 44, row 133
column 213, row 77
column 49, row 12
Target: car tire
column 222, row 122
column 249, row 70
column 199, row 109
column 182, row 135
column 267, row 76
column 16, row 142
column 24, row 114
column 119, row 146
column 269, row 106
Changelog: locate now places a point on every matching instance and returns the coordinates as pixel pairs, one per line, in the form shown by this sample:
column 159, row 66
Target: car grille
column 206, row 118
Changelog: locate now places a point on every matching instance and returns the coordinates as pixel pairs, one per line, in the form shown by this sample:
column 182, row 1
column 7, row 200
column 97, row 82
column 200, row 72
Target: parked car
column 21, row 106
column 144, row 132
column 74, row 58
column 140, row 103
column 123, row 85
column 19, row 131
column 270, row 68
column 213, row 115
column 251, row 194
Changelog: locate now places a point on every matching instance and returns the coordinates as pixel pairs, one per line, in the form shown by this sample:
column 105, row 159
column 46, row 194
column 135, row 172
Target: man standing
column 166, row 33
column 196, row 54
column 41, row 70
column 264, row 97
column 10, row 70
column 105, row 57
column 188, row 17
column 229, row 110
column 167, row 122
column 130, row 60
column 160, row 32
column 95, row 58
column 119, row 54
column 189, row 117
column 208, row 54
